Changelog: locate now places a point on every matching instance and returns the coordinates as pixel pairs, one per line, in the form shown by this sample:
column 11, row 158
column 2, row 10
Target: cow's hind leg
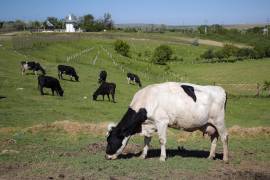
column 52, row 91
column 147, row 141
column 224, row 139
column 162, row 132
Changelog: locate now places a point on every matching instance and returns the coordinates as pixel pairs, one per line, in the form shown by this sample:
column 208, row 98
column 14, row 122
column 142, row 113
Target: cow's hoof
column 162, row 159
column 142, row 156
column 211, row 157
column 226, row 161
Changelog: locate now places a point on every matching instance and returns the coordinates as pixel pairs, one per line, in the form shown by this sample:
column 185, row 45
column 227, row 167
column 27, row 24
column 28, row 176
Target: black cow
column 49, row 82
column 133, row 78
column 105, row 89
column 31, row 65
column 68, row 70
column 102, row 76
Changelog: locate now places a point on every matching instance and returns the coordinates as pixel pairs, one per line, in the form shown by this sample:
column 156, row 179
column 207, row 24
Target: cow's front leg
column 52, row 91
column 41, row 90
column 162, row 132
column 147, row 141
column 214, row 139
column 108, row 95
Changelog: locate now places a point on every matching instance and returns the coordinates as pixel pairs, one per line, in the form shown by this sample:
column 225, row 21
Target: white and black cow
column 33, row 66
column 49, row 82
column 179, row 105
column 68, row 70
column 133, row 78
column 105, row 88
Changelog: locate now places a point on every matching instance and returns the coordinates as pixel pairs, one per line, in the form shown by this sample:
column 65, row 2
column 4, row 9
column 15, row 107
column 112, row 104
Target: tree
column 162, row 54
column 122, row 48
column 88, row 22
column 108, row 22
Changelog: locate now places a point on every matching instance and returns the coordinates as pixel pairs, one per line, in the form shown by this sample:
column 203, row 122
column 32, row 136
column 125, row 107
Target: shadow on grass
column 100, row 100
column 71, row 80
column 182, row 152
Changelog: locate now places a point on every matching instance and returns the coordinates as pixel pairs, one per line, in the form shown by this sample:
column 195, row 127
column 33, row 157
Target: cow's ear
column 110, row 128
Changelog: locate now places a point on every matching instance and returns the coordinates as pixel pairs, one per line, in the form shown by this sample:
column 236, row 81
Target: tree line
column 231, row 53
column 86, row 23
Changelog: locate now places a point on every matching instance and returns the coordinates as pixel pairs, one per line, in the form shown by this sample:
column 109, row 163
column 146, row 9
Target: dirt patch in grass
column 249, row 132
column 244, row 170
column 235, row 131
column 73, row 127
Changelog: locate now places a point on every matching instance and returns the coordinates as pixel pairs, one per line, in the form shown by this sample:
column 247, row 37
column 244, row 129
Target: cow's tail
column 226, row 99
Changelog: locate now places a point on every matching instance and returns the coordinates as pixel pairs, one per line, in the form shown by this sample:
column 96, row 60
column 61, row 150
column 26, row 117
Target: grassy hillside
column 48, row 150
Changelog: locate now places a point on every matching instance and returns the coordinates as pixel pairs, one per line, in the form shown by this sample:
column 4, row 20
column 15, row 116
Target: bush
column 220, row 55
column 162, row 54
column 122, row 48
column 209, row 54
column 229, row 50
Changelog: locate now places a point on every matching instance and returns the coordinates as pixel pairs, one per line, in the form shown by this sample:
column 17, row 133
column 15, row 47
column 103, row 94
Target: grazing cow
column 179, row 105
column 102, row 77
column 68, row 70
column 31, row 65
column 133, row 78
column 49, row 82
column 105, row 89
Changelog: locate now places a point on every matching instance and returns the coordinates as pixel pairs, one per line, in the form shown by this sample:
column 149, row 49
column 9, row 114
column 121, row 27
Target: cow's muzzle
column 110, row 157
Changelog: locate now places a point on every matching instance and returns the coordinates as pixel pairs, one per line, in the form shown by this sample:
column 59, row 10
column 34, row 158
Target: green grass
column 24, row 107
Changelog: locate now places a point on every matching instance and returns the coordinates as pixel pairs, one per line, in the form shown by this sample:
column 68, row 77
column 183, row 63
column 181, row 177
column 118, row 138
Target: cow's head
column 118, row 136
column 76, row 77
column 95, row 95
column 61, row 92
column 116, row 142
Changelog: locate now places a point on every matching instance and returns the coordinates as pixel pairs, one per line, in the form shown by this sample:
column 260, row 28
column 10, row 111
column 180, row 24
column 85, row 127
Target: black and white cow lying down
column 49, row 82
column 105, row 88
column 68, row 70
column 133, row 78
column 179, row 105
column 33, row 66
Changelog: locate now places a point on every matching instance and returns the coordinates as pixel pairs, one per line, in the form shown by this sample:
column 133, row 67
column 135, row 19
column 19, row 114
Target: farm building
column 70, row 23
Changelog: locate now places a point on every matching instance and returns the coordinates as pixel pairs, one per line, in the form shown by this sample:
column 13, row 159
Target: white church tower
column 70, row 24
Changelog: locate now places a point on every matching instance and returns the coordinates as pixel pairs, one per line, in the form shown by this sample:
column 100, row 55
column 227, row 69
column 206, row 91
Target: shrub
column 220, row 55
column 122, row 48
column 209, row 54
column 229, row 50
column 162, row 54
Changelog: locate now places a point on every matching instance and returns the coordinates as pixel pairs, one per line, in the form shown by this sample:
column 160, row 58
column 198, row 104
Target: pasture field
column 51, row 137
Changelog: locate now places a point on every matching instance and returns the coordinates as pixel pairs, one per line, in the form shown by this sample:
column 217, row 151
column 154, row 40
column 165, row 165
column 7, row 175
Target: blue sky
column 175, row 12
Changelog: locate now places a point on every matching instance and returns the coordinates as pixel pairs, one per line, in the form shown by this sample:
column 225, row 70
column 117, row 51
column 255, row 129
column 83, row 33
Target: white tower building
column 70, row 24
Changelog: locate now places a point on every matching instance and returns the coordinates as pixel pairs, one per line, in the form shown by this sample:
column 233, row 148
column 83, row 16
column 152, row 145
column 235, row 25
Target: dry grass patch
column 71, row 127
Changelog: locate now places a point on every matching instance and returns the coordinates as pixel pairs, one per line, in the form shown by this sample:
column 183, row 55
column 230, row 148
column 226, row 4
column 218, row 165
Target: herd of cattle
column 105, row 88
column 153, row 109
